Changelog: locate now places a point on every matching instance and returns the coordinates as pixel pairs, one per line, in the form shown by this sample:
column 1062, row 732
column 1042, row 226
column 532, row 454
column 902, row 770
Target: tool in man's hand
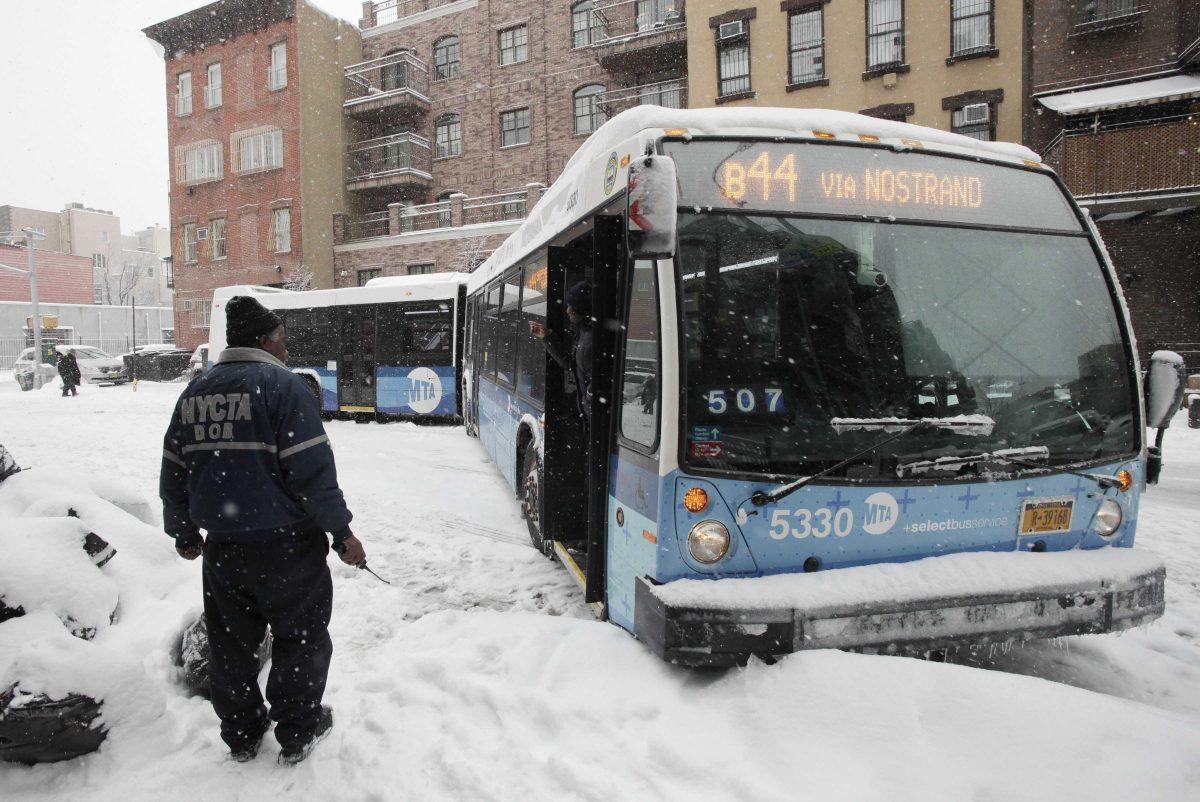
column 340, row 548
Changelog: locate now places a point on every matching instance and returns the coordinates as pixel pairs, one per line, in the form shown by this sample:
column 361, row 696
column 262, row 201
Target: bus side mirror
column 1164, row 388
column 650, row 212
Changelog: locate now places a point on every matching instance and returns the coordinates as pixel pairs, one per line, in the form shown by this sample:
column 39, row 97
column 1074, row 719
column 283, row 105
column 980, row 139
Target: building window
column 281, row 226
column 201, row 313
column 585, row 24
column 366, row 275
column 885, row 34
column 653, row 13
column 733, row 63
column 1099, row 10
column 445, row 58
column 189, row 243
column 199, row 162
column 971, row 26
column 976, row 120
column 447, row 136
column 99, row 261
column 806, row 46
column 420, row 270
column 514, row 127
column 514, row 45
column 896, row 112
column 258, row 150
column 212, row 90
column 183, row 94
column 589, row 109
column 277, row 76
column 217, row 233
column 394, row 75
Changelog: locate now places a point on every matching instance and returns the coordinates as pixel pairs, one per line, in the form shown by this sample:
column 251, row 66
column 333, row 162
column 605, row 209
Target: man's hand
column 190, row 549
column 538, row 330
column 351, row 551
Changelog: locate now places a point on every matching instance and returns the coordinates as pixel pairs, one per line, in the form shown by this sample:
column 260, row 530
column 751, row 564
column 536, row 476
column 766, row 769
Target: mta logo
column 424, row 391
column 882, row 512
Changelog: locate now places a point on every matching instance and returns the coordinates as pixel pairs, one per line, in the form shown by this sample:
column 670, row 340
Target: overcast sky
column 83, row 104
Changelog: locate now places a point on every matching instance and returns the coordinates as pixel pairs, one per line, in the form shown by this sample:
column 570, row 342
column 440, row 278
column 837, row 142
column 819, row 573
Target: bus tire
column 531, row 499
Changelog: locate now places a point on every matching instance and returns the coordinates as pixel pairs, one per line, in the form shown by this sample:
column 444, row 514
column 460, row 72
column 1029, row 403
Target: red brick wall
column 61, row 278
column 247, row 199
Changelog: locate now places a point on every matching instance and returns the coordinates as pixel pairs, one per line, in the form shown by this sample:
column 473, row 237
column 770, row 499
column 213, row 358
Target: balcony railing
column 366, row 226
column 1139, row 158
column 628, row 20
column 669, row 94
column 459, row 210
column 387, row 11
column 389, row 161
column 425, row 217
column 495, row 208
column 396, row 80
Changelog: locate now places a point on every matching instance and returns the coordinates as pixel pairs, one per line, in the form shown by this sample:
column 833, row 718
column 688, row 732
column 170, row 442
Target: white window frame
column 199, row 162
column 281, row 229
column 202, row 311
column 277, row 72
column 518, row 50
column 219, row 237
column 256, row 150
column 191, row 245
column 183, row 94
column 212, row 86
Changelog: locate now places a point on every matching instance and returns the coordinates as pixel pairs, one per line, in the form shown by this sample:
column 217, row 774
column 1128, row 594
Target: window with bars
column 514, row 44
column 589, row 109
column 258, row 150
column 585, row 24
column 514, row 127
column 281, row 230
column 217, row 235
column 806, row 46
column 189, row 243
column 199, row 162
column 212, row 89
column 277, row 74
column 885, row 34
column 420, row 270
column 971, row 26
column 183, row 94
column 733, row 66
column 447, row 136
column 366, row 275
column 1099, row 10
column 977, row 120
column 444, row 217
column 446, row 60
column 201, row 313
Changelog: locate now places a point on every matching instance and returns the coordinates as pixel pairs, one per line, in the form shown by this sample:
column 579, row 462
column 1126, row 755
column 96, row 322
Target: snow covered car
column 95, row 366
column 199, row 361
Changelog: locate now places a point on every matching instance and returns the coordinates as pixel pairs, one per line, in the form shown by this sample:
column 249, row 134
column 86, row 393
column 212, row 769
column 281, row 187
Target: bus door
column 356, row 367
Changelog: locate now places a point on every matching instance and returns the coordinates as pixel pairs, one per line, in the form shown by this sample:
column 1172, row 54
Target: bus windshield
column 790, row 323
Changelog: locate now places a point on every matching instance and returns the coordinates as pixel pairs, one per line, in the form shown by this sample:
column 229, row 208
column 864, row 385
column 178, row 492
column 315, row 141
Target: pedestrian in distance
column 68, row 371
column 579, row 366
column 247, row 460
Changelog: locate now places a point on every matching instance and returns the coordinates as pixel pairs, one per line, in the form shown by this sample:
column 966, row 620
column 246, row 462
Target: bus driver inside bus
column 579, row 312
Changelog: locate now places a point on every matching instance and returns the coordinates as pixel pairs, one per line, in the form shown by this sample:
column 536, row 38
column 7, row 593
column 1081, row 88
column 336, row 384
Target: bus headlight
column 1108, row 518
column 708, row 541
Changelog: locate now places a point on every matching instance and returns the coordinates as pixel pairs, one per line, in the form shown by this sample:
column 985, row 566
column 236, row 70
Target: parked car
column 199, row 361
column 95, row 366
column 156, row 362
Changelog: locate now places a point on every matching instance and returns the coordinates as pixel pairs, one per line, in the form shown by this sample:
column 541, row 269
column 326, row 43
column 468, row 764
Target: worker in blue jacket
column 247, row 461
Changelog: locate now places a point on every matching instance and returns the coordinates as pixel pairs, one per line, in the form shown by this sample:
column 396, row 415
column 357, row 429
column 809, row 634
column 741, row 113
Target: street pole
column 133, row 359
column 31, row 235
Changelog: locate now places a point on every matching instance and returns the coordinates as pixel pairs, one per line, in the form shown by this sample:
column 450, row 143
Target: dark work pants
column 283, row 583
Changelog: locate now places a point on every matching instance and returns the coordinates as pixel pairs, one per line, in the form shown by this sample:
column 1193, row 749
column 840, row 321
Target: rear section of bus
column 883, row 354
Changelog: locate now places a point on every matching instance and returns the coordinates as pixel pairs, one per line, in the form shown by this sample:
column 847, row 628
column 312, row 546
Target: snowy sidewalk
column 480, row 674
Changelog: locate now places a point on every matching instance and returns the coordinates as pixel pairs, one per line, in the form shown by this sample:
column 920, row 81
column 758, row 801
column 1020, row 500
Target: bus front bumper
column 711, row 623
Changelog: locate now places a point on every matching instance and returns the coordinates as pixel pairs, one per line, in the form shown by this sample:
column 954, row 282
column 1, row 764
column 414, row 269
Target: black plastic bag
column 193, row 654
column 44, row 730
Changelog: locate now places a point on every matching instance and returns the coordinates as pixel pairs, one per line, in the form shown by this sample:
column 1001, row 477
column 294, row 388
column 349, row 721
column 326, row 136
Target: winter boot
column 250, row 751
column 294, row 755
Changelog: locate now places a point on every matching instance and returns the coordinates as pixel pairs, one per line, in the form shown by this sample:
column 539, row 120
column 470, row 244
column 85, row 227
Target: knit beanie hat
column 246, row 320
column 579, row 297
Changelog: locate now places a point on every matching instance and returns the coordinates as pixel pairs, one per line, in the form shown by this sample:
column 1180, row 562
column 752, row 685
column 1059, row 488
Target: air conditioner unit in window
column 976, row 113
column 201, row 234
column 731, row 30
column 189, row 305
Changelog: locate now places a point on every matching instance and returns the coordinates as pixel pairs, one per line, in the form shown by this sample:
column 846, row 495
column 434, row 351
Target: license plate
column 1046, row 516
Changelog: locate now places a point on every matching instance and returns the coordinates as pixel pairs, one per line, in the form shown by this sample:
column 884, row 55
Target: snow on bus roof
column 633, row 129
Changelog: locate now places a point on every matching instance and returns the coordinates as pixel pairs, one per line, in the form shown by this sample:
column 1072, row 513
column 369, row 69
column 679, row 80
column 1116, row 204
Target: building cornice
column 216, row 23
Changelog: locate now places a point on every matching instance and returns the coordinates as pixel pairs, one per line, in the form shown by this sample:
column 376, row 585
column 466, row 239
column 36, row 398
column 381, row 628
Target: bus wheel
column 531, row 499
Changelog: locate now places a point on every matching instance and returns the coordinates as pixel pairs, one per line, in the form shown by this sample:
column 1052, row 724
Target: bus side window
column 506, row 368
column 491, row 326
column 639, row 384
column 532, row 380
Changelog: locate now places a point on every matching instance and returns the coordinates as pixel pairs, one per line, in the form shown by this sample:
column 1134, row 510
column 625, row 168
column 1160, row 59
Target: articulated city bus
column 825, row 347
column 389, row 349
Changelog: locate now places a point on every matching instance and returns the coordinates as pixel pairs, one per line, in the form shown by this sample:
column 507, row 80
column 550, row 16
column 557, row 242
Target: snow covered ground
column 480, row 675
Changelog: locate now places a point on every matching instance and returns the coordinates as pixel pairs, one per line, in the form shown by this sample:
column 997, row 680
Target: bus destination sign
column 871, row 182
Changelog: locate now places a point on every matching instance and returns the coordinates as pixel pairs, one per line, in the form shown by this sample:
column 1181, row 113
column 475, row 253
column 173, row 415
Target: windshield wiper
column 968, row 424
column 1008, row 455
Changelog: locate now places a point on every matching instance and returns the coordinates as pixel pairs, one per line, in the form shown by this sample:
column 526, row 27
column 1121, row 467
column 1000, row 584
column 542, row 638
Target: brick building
column 1116, row 88
column 62, row 277
column 256, row 136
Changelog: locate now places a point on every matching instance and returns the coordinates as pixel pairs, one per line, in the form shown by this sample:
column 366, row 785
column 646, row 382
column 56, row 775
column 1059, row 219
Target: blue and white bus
column 386, row 350
column 825, row 347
